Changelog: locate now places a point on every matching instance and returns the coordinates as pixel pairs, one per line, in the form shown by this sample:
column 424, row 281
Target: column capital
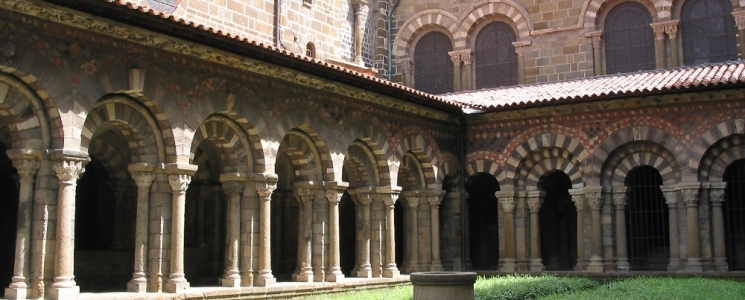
column 334, row 195
column 689, row 190
column 597, row 38
column 143, row 179
column 265, row 189
column 305, row 195
column 669, row 191
column 407, row 63
column 435, row 198
column 412, row 200
column 535, row 200
column 659, row 30
column 716, row 192
column 179, row 182
column 739, row 18
column 520, row 47
column 389, row 199
column 69, row 164
column 233, row 188
column 593, row 196
column 455, row 58
column 364, row 198
column 619, row 195
column 507, row 199
column 26, row 161
column 578, row 197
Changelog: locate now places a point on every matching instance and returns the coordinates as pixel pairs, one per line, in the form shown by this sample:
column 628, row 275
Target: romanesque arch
column 592, row 9
column 488, row 10
column 641, row 153
column 420, row 24
column 425, row 152
column 231, row 141
column 25, row 112
column 711, row 152
column 571, row 148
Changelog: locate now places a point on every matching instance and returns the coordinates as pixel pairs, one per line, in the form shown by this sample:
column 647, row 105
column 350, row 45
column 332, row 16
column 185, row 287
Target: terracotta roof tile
column 608, row 85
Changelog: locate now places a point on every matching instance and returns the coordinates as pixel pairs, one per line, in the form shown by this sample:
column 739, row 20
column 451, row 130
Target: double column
column 412, row 200
column 535, row 200
column 594, row 199
column 716, row 197
column 690, row 192
column 435, row 199
column 619, row 200
column 661, row 29
column 578, row 197
column 27, row 163
column 364, row 200
column 671, row 199
column 507, row 199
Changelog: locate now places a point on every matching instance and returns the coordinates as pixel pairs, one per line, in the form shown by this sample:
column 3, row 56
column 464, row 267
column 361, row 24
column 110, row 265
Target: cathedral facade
column 153, row 146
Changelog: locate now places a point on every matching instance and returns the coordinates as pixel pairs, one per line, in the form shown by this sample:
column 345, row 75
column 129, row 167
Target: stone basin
column 443, row 285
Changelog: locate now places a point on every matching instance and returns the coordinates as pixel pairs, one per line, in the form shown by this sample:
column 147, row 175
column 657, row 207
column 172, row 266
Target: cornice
column 86, row 22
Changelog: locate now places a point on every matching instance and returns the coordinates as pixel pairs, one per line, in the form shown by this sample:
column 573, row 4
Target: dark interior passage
column 734, row 215
column 558, row 218
column 347, row 234
column 8, row 216
column 647, row 220
column 483, row 221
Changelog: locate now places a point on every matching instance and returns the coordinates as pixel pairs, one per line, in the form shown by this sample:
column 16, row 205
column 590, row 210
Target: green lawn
column 553, row 287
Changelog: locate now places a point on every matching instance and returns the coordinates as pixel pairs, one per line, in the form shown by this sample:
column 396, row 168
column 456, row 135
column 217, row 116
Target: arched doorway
column 347, row 234
column 483, row 221
column 9, row 186
column 399, row 223
column 286, row 263
column 558, row 218
column 734, row 215
column 647, row 220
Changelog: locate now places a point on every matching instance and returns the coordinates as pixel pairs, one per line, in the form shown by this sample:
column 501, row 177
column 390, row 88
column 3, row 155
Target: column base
column 694, row 265
column 137, row 287
column 304, row 277
column 17, row 293
column 622, row 266
column 674, row 265
column 391, row 273
column 230, row 282
column 63, row 292
column 596, row 265
column 536, row 265
column 720, row 265
column 319, row 277
column 265, row 281
column 509, row 265
column 436, row 266
column 364, row 273
column 155, row 284
column 175, row 287
column 247, row 279
column 334, row 277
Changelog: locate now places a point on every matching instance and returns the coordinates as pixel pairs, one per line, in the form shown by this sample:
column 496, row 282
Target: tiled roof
column 682, row 78
column 253, row 43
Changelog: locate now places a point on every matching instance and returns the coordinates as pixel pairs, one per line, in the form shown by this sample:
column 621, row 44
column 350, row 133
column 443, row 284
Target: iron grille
column 647, row 220
column 629, row 40
column 433, row 68
column 496, row 59
column 734, row 215
column 558, row 222
column 708, row 30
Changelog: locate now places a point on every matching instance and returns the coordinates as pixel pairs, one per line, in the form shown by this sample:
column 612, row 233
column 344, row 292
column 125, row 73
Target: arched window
column 629, row 40
column 708, row 30
column 310, row 50
column 433, row 69
column 496, row 60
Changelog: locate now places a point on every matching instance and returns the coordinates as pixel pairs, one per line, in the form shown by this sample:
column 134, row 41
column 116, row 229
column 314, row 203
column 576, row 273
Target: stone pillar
column 578, row 197
column 521, row 216
column 671, row 28
column 305, row 246
column 467, row 77
column 659, row 44
column 69, row 167
column 740, row 23
column 391, row 271
column 143, row 176
column 507, row 199
column 619, row 200
column 412, row 200
column 595, row 201
column 520, row 47
column 233, row 183
column 535, row 199
column 179, row 179
column 265, row 189
column 365, row 269
column 435, row 199
column 457, row 81
column 27, row 163
column 689, row 190
column 716, row 197
column 670, row 193
column 408, row 65
column 335, row 274
column 360, row 21
column 597, row 51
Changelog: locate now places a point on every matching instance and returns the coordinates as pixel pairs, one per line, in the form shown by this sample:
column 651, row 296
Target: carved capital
column 579, row 201
column 659, row 32
column 233, row 188
column 508, row 204
column 534, row 204
column 389, row 199
column 739, row 19
column 455, row 58
column 672, row 30
column 143, row 179
column 408, row 66
column 413, row 201
column 467, row 58
column 364, row 198
column 716, row 195
column 68, row 171
column 520, row 50
column 690, row 196
column 179, row 182
column 334, row 196
column 265, row 189
column 434, row 200
column 304, row 195
column 619, row 199
column 26, row 168
column 671, row 198
column 594, row 200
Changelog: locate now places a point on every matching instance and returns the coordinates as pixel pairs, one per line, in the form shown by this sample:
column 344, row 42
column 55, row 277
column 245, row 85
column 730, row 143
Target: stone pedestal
column 443, row 285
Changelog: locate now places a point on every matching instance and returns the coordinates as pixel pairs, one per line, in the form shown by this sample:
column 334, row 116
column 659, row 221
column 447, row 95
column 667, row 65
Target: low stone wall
column 443, row 285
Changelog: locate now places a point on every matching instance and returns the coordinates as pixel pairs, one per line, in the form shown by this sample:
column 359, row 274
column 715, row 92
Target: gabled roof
column 608, row 86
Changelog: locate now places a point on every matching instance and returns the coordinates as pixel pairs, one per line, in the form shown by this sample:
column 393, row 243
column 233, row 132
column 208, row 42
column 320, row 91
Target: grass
column 564, row 288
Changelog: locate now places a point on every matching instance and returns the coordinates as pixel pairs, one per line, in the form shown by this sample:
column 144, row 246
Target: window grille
column 629, row 39
column 734, row 215
column 433, row 68
column 647, row 220
column 708, row 30
column 496, row 60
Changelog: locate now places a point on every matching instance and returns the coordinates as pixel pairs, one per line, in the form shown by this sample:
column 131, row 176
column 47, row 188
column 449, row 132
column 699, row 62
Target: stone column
column 595, row 201
column 507, row 199
column 233, row 183
column 69, row 167
column 535, row 199
column 457, row 81
column 740, row 23
column 619, row 200
column 335, row 273
column 391, row 271
column 689, row 190
column 179, row 180
column 143, row 176
column 597, row 50
column 408, row 65
column 265, row 189
column 435, row 199
column 659, row 44
column 27, row 163
column 671, row 28
column 520, row 47
column 716, row 197
column 578, row 197
column 670, row 191
column 412, row 200
column 467, row 77
column 365, row 269
column 360, row 21
column 305, row 246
